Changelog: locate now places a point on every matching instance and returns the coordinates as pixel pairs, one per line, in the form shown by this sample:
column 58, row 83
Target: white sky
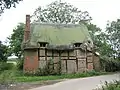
column 100, row 11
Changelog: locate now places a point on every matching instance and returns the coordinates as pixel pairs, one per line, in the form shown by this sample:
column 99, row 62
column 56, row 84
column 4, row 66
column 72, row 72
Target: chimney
column 27, row 28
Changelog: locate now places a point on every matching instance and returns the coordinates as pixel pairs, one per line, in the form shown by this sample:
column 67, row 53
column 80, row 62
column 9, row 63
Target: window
column 42, row 44
column 77, row 44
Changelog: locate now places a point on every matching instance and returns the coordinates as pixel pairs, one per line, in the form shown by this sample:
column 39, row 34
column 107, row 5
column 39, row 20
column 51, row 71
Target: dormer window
column 77, row 44
column 42, row 44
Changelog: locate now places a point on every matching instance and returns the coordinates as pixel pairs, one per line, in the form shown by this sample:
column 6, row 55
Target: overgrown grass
column 55, row 77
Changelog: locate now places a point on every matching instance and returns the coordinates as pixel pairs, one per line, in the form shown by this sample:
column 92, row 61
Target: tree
column 7, row 4
column 99, row 40
column 113, row 36
column 3, row 52
column 59, row 12
column 15, row 40
column 94, row 31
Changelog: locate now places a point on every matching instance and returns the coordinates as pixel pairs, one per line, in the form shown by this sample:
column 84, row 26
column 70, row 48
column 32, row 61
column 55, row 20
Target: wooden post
column 93, row 57
column 77, row 63
column 86, row 58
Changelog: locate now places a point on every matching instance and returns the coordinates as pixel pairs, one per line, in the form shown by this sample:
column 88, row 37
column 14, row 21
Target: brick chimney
column 27, row 28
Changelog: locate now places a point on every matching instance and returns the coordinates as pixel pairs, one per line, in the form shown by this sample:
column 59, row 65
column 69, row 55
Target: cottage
column 65, row 46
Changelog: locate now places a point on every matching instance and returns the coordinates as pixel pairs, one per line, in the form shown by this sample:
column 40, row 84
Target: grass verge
column 55, row 77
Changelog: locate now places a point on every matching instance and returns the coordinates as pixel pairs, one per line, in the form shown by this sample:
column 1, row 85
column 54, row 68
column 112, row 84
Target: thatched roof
column 58, row 34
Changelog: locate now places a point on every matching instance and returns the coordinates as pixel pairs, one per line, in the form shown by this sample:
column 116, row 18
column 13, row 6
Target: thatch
column 59, row 36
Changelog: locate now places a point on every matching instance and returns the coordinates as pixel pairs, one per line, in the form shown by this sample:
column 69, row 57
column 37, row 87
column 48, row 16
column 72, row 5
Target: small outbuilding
column 67, row 47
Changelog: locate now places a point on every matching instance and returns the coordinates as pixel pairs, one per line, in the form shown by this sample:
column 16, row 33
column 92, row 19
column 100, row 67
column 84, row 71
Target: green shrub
column 7, row 77
column 6, row 66
column 20, row 64
column 110, row 65
column 93, row 73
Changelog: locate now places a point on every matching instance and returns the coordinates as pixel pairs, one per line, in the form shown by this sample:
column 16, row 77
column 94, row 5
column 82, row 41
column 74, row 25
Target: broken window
column 42, row 44
column 77, row 44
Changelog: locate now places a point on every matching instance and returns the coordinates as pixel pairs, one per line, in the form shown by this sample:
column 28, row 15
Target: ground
column 30, row 85
column 89, row 83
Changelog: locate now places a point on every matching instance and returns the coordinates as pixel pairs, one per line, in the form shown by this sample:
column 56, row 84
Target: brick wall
column 31, row 63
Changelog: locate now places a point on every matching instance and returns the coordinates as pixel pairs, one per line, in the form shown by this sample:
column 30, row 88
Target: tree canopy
column 3, row 52
column 15, row 40
column 60, row 12
column 113, row 36
column 99, row 40
column 7, row 4
column 107, row 43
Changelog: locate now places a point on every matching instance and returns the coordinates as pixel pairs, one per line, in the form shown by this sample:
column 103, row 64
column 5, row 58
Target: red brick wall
column 31, row 62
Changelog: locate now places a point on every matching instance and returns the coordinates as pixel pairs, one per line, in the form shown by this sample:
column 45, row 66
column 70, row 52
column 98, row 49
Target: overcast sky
column 100, row 11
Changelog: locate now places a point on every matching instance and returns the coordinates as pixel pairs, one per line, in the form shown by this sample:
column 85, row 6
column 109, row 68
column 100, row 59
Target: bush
column 110, row 65
column 6, row 66
column 7, row 77
column 93, row 73
column 20, row 64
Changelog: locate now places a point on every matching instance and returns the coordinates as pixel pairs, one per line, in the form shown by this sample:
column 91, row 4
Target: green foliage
column 55, row 77
column 20, row 64
column 107, row 44
column 93, row 73
column 15, row 41
column 7, row 4
column 100, row 41
column 113, row 36
column 60, row 12
column 101, row 45
column 7, row 77
column 3, row 52
column 105, row 49
column 110, row 64
column 6, row 66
